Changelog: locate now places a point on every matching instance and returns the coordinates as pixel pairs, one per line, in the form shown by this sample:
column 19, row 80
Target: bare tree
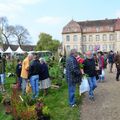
column 12, row 33
column 22, row 35
column 3, row 28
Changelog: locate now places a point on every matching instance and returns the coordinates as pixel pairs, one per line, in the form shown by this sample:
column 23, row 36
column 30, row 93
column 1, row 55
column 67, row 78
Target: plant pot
column 7, row 109
column 7, row 105
column 46, row 118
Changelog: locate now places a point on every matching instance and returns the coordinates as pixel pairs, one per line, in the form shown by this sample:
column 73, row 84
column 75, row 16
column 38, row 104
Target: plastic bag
column 28, row 88
column 102, row 73
column 84, row 87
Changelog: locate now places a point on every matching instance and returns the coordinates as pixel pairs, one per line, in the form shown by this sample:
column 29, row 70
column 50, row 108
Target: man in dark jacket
column 111, row 60
column 89, row 69
column 117, row 62
column 73, row 75
column 34, row 71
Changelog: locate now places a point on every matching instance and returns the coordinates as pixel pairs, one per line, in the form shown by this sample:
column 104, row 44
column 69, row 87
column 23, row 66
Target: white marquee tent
column 9, row 50
column 1, row 50
column 19, row 50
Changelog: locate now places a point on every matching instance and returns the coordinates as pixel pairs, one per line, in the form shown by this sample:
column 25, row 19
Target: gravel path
column 107, row 101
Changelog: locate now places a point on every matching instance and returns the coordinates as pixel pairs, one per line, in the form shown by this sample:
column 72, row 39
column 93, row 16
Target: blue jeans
column 34, row 81
column 19, row 82
column 2, row 78
column 71, row 92
column 93, row 84
column 24, row 83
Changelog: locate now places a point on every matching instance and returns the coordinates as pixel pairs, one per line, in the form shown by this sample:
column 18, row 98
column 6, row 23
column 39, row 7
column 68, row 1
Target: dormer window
column 97, row 29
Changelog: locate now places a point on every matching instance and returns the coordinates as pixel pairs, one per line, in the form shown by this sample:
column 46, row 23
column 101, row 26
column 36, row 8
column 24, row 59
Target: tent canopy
column 19, row 50
column 1, row 50
column 9, row 50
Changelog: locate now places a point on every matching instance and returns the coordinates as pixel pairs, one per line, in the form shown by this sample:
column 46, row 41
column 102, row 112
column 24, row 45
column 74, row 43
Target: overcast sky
column 50, row 16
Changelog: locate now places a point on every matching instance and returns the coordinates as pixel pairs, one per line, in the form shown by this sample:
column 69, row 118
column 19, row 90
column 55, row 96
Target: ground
column 107, row 101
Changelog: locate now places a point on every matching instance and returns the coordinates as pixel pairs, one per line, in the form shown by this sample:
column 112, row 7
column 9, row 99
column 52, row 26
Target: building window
column 68, row 47
column 67, row 38
column 75, row 37
column 97, row 37
column 84, row 48
column 111, row 37
column 90, row 37
column 75, row 47
column 104, row 48
column 84, row 38
column 104, row 37
column 91, row 47
column 112, row 47
column 111, row 28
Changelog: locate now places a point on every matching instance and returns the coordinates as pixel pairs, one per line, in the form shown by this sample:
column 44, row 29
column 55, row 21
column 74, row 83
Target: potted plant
column 7, row 103
column 42, row 110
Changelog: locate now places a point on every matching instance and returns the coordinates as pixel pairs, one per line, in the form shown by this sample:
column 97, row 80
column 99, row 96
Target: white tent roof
column 19, row 50
column 1, row 50
column 9, row 50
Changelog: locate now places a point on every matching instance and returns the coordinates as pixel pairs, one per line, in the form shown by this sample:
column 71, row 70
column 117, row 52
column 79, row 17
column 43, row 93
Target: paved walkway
column 107, row 101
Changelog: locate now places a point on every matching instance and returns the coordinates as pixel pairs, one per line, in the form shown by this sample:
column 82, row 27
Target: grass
column 57, row 102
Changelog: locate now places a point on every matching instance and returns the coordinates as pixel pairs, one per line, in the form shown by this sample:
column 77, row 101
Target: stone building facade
column 94, row 35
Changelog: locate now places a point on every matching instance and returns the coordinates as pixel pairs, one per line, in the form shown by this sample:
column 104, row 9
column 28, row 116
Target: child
column 18, row 72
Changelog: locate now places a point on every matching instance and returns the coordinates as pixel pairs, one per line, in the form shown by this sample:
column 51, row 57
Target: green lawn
column 56, row 100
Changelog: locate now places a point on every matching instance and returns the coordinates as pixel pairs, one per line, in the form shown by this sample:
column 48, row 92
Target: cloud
column 49, row 20
column 12, row 8
column 28, row 2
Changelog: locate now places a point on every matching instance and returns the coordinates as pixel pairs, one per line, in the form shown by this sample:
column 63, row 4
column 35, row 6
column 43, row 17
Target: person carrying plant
column 90, row 71
column 73, row 76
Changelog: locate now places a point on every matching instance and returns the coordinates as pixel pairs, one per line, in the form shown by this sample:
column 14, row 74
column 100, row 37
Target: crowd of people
column 35, row 71
column 31, row 70
column 93, row 67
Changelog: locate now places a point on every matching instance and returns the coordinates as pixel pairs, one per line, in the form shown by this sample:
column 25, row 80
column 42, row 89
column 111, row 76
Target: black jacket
column 44, row 73
column 34, row 68
column 89, row 67
column 18, row 70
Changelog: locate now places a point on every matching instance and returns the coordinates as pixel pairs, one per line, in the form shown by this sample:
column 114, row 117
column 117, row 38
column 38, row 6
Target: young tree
column 46, row 42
